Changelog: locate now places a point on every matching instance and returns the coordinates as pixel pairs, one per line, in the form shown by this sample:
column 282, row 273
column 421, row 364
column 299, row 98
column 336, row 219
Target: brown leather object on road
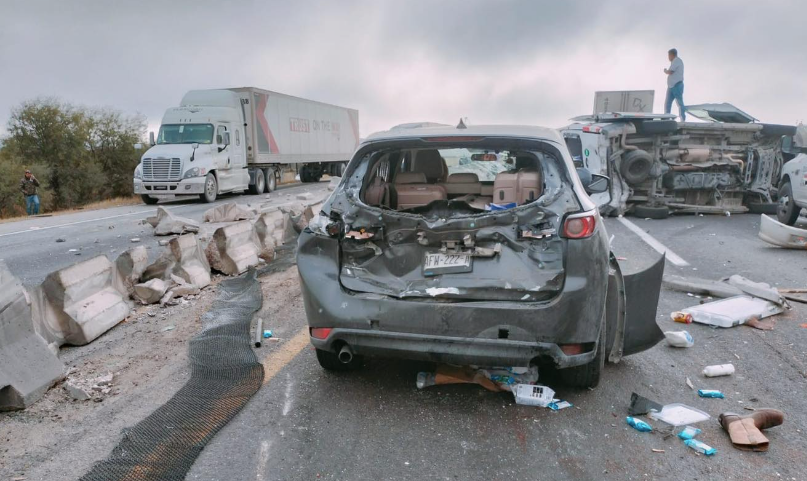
column 744, row 431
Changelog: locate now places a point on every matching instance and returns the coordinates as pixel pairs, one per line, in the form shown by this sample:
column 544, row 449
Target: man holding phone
column 28, row 186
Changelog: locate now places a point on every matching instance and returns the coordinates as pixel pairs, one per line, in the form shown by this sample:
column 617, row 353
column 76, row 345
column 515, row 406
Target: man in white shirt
column 675, row 84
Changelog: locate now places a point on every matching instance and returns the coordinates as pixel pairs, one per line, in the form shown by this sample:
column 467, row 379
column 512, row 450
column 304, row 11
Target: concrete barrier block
column 166, row 223
column 129, row 266
column 191, row 262
column 80, row 302
column 280, row 225
column 27, row 367
column 150, row 291
column 265, row 230
column 234, row 248
column 229, row 212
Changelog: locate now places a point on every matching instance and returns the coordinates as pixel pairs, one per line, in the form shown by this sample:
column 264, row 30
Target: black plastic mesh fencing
column 225, row 374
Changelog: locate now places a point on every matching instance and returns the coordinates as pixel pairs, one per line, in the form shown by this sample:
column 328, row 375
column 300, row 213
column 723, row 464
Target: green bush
column 79, row 155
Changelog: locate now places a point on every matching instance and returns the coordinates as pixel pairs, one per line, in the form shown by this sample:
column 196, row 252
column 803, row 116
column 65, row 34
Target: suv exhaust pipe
column 345, row 354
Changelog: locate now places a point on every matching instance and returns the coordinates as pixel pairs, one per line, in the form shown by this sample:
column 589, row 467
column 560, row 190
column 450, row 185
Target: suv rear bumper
column 487, row 333
column 451, row 350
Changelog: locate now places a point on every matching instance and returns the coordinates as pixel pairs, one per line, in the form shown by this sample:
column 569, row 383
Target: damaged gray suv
column 471, row 245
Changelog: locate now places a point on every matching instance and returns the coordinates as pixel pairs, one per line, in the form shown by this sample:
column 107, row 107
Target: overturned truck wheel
column 636, row 166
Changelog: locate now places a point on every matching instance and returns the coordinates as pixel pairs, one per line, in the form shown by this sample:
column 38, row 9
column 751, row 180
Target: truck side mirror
column 226, row 138
column 151, row 139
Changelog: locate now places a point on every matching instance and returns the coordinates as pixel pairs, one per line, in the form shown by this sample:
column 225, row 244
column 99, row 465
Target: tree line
column 79, row 154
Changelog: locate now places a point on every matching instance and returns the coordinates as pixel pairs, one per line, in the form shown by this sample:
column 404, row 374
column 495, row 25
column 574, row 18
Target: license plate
column 438, row 263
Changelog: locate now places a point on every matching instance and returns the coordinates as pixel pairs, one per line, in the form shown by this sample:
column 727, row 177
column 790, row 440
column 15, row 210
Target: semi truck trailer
column 243, row 139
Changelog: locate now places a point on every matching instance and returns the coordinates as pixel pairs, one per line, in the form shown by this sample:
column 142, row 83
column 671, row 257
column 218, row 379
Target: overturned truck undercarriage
column 658, row 165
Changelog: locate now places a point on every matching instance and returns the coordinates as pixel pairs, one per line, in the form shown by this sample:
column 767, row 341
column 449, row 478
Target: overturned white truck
column 723, row 162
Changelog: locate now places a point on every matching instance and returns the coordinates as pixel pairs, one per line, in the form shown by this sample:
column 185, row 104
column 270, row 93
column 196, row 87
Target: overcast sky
column 529, row 62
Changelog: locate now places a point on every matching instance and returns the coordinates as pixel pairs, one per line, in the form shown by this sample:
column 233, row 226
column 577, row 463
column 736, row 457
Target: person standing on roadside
column 675, row 84
column 28, row 186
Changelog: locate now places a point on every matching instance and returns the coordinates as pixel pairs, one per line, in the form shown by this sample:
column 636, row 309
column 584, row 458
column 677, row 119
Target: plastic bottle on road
column 638, row 424
column 718, row 370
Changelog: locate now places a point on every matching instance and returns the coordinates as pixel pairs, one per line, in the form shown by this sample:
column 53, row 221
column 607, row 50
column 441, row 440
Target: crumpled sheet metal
column 776, row 233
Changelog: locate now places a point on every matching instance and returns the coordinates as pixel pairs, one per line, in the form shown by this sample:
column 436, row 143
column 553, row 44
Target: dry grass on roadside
column 101, row 204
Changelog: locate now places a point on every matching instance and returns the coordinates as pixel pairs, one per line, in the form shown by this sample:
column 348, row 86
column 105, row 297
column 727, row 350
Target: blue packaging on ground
column 700, row 447
column 713, row 393
column 558, row 405
column 638, row 424
column 688, row 433
column 267, row 334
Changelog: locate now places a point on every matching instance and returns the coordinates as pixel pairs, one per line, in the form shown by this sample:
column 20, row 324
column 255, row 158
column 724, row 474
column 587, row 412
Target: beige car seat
column 463, row 184
column 520, row 187
column 432, row 164
column 413, row 191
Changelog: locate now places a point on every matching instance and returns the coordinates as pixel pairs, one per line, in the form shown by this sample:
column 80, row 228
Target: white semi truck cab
column 234, row 140
column 199, row 150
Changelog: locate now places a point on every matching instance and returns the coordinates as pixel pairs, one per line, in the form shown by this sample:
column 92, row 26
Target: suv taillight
column 580, row 226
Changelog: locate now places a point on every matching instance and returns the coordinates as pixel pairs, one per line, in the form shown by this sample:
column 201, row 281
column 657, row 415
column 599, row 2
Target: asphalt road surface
column 30, row 249
column 374, row 424
column 306, row 423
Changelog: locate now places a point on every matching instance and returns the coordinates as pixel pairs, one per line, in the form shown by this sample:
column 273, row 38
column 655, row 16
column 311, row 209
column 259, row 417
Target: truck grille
column 162, row 169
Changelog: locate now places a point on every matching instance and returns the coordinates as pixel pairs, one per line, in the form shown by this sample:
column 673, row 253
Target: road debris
column 657, row 450
column 719, row 370
column 642, row 405
column 267, row 334
column 305, row 196
column 168, row 328
column 745, row 431
column 151, row 291
column 638, row 424
column 229, row 212
column 762, row 324
column 533, row 395
column 700, row 447
column 497, row 380
column 76, row 392
column 679, row 339
column 677, row 414
column 681, row 317
column 733, row 311
column 689, row 383
column 258, row 333
column 689, row 433
column 166, row 223
column 61, row 239
column 778, row 234
column 135, row 239
column 711, row 393
column 557, row 405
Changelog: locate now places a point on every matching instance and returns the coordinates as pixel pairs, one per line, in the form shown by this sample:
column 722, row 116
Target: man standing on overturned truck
column 675, row 84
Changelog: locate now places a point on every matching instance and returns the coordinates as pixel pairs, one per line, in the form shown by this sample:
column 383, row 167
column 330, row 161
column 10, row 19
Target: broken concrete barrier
column 184, row 258
column 229, row 212
column 129, row 266
column 264, row 229
column 191, row 261
column 27, row 367
column 166, row 223
column 234, row 248
column 279, row 226
column 76, row 304
column 150, row 291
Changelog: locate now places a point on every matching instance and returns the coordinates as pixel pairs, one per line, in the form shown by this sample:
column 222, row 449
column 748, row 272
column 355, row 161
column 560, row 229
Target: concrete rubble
column 184, row 258
column 166, row 223
column 129, row 266
column 84, row 388
column 277, row 225
column 150, row 291
column 27, row 367
column 229, row 212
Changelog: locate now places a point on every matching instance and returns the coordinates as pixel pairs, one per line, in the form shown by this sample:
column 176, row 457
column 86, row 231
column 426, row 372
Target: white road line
column 263, row 459
column 652, row 242
column 288, row 402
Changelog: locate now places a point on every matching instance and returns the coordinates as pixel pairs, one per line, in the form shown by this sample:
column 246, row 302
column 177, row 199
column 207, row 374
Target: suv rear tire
column 330, row 362
column 788, row 211
column 587, row 375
